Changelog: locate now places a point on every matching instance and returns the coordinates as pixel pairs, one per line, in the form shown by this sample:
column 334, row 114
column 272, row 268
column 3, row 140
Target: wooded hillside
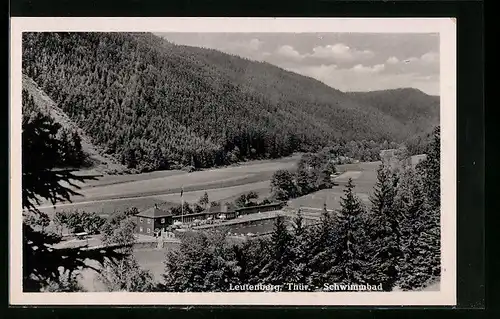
column 156, row 105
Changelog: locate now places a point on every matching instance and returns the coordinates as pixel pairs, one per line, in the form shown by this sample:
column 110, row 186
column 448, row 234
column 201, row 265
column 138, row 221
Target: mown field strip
column 107, row 206
column 162, row 185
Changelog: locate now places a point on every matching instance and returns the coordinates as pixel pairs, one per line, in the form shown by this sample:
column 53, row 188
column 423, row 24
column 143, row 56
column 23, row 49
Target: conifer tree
column 431, row 170
column 203, row 201
column 321, row 247
column 242, row 260
column 298, row 224
column 253, row 259
column 348, row 267
column 300, row 249
column 222, row 270
column 304, row 178
column 40, row 180
column 185, row 269
column 78, row 156
column 280, row 267
column 420, row 234
column 282, row 185
column 384, row 233
column 204, row 262
column 65, row 147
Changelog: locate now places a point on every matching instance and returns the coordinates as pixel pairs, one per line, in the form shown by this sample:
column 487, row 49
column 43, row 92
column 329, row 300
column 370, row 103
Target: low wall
column 234, row 222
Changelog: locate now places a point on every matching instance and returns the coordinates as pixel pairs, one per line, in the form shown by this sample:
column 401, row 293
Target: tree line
column 313, row 173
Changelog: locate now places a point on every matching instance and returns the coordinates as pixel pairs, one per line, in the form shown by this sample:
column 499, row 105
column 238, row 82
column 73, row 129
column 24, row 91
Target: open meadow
column 364, row 176
column 118, row 192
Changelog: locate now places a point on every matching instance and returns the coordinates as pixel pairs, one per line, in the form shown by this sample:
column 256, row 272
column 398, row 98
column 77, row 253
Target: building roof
column 277, row 204
column 193, row 215
column 154, row 212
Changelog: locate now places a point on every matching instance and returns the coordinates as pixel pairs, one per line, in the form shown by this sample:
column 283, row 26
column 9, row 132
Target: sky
column 345, row 61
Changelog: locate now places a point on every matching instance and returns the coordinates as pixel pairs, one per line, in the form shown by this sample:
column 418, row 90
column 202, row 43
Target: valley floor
column 118, row 192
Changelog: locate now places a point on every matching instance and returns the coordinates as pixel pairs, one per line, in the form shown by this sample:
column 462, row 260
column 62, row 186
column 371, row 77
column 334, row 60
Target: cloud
column 426, row 64
column 340, row 52
column 255, row 44
column 367, row 78
column 392, row 60
column 430, row 58
column 368, row 69
column 319, row 72
column 349, row 62
column 251, row 49
column 251, row 45
column 289, row 52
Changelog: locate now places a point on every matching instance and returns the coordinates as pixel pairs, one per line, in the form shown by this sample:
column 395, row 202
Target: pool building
column 154, row 219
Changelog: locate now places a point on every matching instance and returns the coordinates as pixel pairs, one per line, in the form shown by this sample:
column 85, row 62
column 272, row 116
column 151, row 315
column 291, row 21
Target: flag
column 182, row 190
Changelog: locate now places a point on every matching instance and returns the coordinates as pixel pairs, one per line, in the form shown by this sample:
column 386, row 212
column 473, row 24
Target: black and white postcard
column 233, row 161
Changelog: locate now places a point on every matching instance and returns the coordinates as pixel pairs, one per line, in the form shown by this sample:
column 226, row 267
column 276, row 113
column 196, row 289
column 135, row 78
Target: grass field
column 117, row 179
column 118, row 192
column 364, row 176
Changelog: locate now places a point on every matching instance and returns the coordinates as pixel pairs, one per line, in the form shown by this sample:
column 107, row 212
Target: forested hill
column 407, row 105
column 153, row 104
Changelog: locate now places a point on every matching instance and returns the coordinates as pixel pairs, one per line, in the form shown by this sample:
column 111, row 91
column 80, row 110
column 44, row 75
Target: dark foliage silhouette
column 41, row 181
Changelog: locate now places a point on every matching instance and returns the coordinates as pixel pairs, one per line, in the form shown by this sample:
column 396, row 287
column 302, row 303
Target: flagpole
column 182, row 205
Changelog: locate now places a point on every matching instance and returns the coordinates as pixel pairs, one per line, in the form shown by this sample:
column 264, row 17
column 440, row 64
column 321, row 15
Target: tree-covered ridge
column 407, row 105
column 154, row 104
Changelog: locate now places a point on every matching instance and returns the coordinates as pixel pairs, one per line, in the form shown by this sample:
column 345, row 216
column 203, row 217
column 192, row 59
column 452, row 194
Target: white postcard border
column 446, row 27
